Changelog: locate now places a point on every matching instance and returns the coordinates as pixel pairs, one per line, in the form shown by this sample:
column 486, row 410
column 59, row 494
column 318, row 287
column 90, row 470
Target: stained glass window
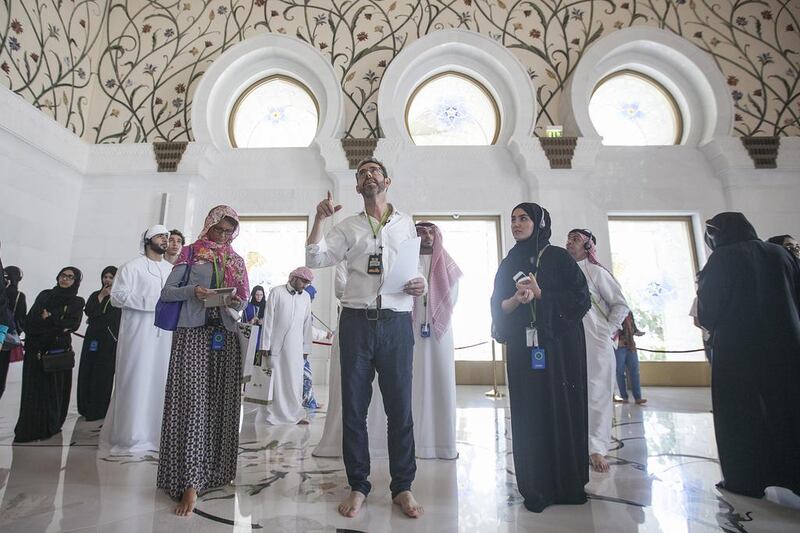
column 654, row 261
column 276, row 112
column 452, row 109
column 630, row 109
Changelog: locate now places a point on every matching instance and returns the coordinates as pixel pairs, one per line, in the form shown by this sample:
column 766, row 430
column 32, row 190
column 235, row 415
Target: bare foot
column 303, row 422
column 352, row 505
column 408, row 504
column 598, row 462
column 186, row 505
column 641, row 401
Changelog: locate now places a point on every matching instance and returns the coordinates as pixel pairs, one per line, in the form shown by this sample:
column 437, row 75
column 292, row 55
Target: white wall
column 68, row 202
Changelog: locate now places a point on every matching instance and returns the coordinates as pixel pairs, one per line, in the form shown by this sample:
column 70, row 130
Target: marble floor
column 663, row 471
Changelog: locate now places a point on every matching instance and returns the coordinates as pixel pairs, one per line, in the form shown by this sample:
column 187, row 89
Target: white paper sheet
column 405, row 268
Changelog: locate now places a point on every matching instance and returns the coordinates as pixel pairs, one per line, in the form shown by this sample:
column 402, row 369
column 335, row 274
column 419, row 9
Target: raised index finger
column 330, row 196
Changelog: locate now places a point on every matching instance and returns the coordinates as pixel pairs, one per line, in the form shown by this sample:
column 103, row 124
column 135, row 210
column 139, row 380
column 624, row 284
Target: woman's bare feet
column 408, row 504
column 352, row 505
column 598, row 462
column 186, row 505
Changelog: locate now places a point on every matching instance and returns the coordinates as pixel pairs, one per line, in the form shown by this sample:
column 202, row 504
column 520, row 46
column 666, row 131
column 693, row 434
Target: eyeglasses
column 375, row 171
column 792, row 247
column 66, row 276
column 225, row 232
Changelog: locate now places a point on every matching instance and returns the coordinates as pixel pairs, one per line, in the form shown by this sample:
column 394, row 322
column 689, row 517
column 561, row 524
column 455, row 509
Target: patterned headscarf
column 204, row 249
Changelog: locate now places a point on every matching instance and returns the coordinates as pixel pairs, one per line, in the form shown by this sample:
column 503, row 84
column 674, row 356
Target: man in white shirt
column 375, row 332
column 133, row 421
column 286, row 338
column 602, row 325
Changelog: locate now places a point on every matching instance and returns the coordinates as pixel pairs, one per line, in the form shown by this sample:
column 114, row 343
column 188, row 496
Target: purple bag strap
column 185, row 278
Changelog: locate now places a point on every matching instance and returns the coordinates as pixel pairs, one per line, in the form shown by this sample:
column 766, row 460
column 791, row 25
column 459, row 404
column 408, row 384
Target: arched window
column 628, row 108
column 452, row 109
column 275, row 112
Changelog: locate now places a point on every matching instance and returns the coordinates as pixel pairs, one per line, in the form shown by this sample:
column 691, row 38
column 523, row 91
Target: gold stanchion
column 494, row 393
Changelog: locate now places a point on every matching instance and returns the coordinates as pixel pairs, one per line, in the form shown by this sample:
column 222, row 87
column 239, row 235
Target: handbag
column 17, row 354
column 57, row 359
column 248, row 339
column 12, row 339
column 168, row 313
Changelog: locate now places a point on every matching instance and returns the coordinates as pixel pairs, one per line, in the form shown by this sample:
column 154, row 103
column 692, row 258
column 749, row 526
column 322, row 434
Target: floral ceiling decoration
column 125, row 70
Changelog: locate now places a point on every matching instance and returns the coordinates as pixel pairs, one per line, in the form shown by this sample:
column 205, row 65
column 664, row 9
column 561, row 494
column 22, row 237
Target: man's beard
column 380, row 186
column 157, row 248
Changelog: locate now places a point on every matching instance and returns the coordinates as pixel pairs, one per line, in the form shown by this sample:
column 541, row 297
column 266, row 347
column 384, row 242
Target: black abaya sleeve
column 94, row 307
column 69, row 320
column 20, row 312
column 504, row 288
column 714, row 290
column 570, row 295
column 34, row 322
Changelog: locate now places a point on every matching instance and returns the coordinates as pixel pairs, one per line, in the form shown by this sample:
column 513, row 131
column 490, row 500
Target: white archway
column 686, row 71
column 256, row 58
column 466, row 52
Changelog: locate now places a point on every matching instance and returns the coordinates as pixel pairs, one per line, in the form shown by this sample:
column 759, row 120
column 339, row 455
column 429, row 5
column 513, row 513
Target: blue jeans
column 385, row 345
column 630, row 359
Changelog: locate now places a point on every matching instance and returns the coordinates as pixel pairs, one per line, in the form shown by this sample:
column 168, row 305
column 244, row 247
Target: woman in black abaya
column 749, row 299
column 98, row 357
column 548, row 406
column 55, row 314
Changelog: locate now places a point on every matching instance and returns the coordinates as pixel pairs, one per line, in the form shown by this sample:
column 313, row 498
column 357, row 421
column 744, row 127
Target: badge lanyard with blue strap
column 538, row 356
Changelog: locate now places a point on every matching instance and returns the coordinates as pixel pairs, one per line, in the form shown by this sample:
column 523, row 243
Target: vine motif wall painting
column 125, row 70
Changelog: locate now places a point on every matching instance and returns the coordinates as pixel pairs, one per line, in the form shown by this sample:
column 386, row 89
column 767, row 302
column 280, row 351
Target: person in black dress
column 55, row 314
column 17, row 309
column 549, row 426
column 98, row 357
column 749, row 300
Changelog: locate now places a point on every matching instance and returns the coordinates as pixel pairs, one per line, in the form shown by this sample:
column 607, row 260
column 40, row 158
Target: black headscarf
column 262, row 305
column 524, row 254
column 728, row 228
column 108, row 270
column 60, row 297
column 14, row 276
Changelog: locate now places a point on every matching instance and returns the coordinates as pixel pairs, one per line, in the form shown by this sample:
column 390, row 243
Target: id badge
column 217, row 340
column 93, row 345
column 375, row 264
column 531, row 337
column 538, row 359
column 425, row 330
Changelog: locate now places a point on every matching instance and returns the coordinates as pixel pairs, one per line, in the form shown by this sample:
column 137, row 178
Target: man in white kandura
column 433, row 395
column 133, row 422
column 602, row 325
column 285, row 341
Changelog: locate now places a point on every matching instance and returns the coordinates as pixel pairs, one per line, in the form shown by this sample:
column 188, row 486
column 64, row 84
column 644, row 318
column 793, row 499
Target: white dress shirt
column 352, row 240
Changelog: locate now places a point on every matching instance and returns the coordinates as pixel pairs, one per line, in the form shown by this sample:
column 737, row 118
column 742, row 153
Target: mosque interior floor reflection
column 663, row 473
